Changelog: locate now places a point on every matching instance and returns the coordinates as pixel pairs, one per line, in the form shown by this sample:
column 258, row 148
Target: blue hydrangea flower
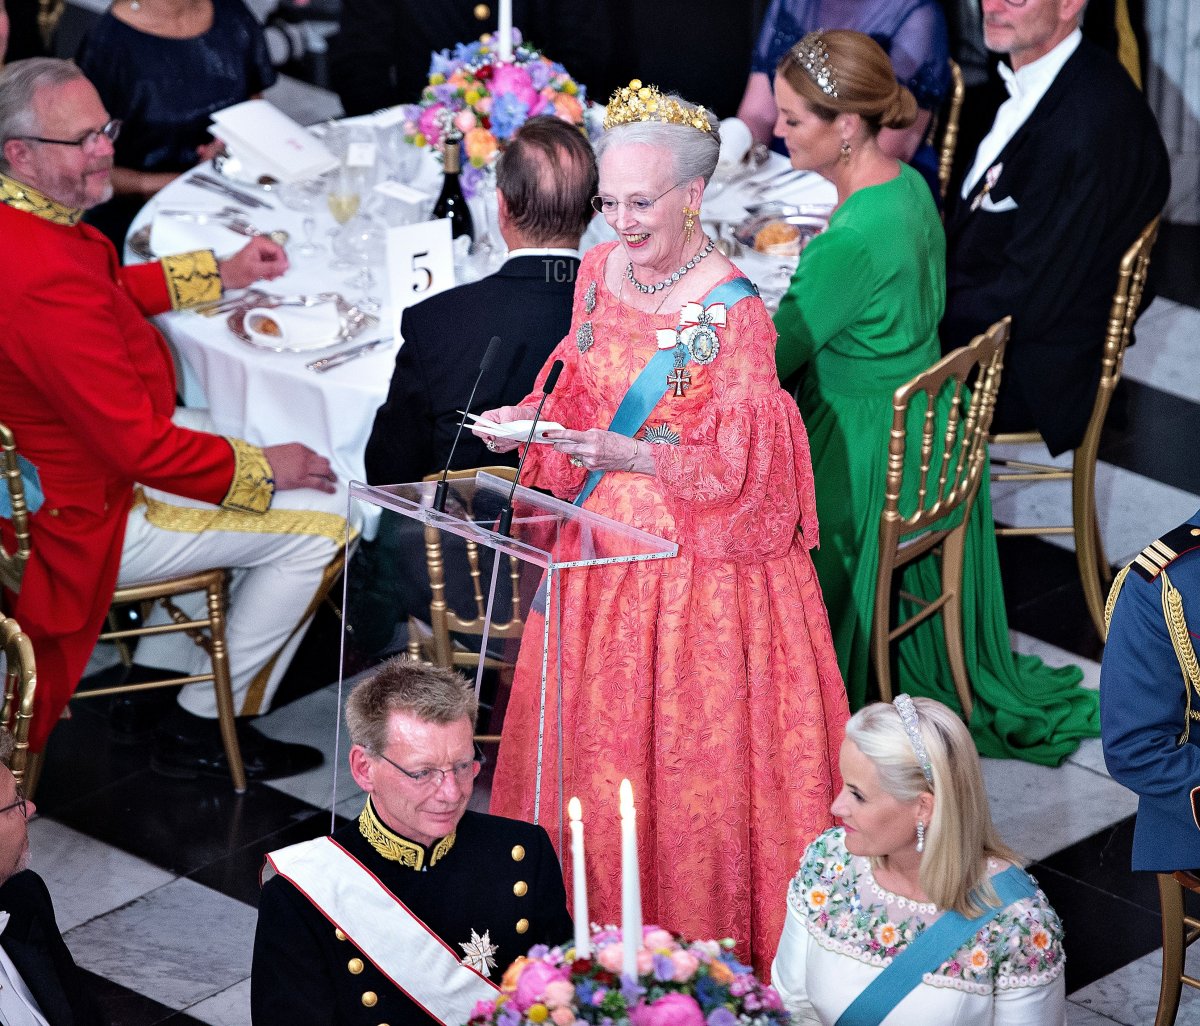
column 508, row 114
column 539, row 74
column 440, row 63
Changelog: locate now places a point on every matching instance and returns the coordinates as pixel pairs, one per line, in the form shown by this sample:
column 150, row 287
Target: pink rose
column 559, row 994
column 531, row 986
column 464, row 121
column 658, row 939
column 483, row 1009
column 512, row 78
column 430, row 123
column 685, row 964
column 562, row 1017
column 645, row 961
column 611, row 956
column 484, row 106
column 669, row 1010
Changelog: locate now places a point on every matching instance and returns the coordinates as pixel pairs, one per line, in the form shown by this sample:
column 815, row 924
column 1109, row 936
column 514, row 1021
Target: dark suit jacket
column 36, row 948
column 381, row 55
column 1086, row 171
column 300, row 972
column 528, row 304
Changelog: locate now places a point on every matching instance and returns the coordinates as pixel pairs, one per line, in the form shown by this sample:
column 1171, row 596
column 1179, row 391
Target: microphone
column 506, row 514
column 489, row 358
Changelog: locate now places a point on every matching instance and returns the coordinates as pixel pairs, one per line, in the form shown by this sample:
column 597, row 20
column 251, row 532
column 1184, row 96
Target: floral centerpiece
column 679, row 983
column 475, row 94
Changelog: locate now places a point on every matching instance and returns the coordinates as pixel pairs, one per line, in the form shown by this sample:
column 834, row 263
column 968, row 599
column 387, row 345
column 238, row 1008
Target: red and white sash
column 383, row 928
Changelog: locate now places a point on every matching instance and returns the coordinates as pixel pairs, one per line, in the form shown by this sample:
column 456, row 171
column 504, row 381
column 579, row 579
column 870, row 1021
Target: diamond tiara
column 908, row 716
column 637, row 102
column 810, row 53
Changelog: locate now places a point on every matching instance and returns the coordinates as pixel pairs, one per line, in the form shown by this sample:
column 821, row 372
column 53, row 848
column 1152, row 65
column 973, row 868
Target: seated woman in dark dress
column 164, row 67
column 912, row 34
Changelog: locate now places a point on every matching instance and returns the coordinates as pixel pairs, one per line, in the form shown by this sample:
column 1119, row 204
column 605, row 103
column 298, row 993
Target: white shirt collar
column 535, row 251
column 1036, row 77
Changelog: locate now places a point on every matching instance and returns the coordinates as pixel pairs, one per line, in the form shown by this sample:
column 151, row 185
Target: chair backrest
column 1131, row 282
column 444, row 620
column 20, row 682
column 947, row 475
column 12, row 564
column 947, row 128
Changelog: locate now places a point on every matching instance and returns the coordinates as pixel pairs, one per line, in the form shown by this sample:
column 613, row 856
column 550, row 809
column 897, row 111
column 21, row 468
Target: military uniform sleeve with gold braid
column 192, row 278
column 252, row 487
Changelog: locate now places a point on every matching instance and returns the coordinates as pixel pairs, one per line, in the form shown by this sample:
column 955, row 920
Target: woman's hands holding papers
column 596, row 449
column 503, row 415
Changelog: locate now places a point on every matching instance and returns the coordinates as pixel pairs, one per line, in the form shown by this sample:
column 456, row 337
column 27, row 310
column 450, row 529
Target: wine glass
column 309, row 247
column 486, row 253
column 365, row 242
column 343, row 194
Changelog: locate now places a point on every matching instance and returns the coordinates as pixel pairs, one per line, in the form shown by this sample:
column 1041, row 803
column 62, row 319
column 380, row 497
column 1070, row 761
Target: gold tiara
column 636, row 102
column 810, row 53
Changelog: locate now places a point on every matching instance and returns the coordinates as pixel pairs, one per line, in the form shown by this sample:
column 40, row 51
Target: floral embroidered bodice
column 847, row 911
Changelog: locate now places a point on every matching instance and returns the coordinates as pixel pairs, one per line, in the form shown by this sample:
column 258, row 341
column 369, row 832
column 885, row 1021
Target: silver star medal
column 479, row 953
column 589, row 299
column 702, row 341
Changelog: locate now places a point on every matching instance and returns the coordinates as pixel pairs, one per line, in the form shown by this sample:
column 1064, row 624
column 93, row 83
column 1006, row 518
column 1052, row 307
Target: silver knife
column 346, row 355
column 203, row 181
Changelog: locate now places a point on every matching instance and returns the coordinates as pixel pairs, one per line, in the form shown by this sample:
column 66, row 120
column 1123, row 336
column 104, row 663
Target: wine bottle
column 451, row 202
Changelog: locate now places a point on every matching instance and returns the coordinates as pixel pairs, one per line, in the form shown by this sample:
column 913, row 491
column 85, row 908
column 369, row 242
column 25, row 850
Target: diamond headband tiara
column 637, row 102
column 908, row 716
column 811, row 54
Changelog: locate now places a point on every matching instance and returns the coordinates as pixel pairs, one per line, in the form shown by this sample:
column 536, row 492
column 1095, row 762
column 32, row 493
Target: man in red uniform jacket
column 87, row 386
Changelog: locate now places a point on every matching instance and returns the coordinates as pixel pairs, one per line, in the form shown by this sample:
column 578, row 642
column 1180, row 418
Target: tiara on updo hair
column 636, row 102
column 811, row 54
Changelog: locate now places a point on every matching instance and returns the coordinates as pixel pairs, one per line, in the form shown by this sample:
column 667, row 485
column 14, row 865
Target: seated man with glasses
column 1073, row 169
column 133, row 489
column 39, row 980
column 415, row 909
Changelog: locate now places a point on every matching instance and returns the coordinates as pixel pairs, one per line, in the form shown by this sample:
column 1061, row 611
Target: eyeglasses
column 639, row 205
column 432, row 779
column 87, row 141
column 20, row 803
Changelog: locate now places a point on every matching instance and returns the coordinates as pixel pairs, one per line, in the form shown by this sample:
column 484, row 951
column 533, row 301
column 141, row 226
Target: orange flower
column 481, row 145
column 1041, row 939
column 720, row 972
column 817, row 898
column 568, row 108
column 886, row 935
column 979, row 958
column 509, row 983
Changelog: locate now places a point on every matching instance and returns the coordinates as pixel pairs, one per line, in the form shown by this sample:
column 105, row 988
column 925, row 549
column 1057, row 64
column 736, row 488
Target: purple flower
column 722, row 1017
column 664, row 968
column 630, row 989
column 508, row 1016
column 539, row 74
column 471, row 179
column 440, row 63
column 443, row 93
column 539, row 951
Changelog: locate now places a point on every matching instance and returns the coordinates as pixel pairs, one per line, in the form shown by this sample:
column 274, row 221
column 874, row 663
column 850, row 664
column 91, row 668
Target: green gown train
column 860, row 319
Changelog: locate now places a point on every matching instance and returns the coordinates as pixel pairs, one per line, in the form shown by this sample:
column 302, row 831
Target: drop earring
column 689, row 223
column 845, row 151
column 920, row 836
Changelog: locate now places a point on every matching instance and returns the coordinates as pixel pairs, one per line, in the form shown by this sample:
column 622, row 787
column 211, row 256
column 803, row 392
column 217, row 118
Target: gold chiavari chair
column 1095, row 573
column 944, row 135
column 20, row 682
column 208, row 631
column 437, row 645
column 948, row 476
column 1178, row 931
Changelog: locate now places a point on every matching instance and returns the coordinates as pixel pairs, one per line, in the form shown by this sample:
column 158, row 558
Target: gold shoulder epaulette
column 1160, row 554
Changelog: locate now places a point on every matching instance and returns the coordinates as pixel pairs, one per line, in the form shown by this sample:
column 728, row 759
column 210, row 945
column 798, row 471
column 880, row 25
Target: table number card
column 420, row 264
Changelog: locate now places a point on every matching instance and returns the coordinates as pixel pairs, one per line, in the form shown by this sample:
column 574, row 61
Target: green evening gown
column 860, row 319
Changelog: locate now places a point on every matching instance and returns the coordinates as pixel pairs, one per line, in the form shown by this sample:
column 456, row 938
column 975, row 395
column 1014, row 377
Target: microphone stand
column 489, row 355
column 506, row 514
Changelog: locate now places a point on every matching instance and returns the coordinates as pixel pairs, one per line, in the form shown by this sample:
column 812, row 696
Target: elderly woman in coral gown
column 709, row 680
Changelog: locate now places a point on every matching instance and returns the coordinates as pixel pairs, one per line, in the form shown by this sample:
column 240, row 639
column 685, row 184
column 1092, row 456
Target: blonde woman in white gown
column 912, row 910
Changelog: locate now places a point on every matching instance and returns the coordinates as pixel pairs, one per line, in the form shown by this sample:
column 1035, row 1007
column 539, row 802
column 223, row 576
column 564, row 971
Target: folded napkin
column 170, row 234
column 736, row 141
column 294, row 327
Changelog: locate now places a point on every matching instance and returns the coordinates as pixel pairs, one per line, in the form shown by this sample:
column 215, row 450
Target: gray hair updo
column 695, row 151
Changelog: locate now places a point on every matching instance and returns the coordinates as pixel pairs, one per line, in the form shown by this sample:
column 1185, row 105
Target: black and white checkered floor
column 156, row 881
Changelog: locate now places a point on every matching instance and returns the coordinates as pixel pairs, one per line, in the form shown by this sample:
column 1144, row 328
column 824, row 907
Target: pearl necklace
column 647, row 290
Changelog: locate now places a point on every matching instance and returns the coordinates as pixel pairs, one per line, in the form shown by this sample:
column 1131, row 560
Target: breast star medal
column 479, row 953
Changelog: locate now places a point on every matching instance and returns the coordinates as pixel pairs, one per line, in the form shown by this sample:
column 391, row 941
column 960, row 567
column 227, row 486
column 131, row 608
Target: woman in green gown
column 860, row 319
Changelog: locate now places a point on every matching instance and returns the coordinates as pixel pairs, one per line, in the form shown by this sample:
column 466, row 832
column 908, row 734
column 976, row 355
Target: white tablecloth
column 268, row 398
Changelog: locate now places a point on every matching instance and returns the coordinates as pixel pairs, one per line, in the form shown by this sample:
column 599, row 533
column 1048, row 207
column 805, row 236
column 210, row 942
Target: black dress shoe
column 189, row 754
column 132, row 718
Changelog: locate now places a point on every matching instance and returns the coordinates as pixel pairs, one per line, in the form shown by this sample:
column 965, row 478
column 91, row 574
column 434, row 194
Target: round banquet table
column 268, row 397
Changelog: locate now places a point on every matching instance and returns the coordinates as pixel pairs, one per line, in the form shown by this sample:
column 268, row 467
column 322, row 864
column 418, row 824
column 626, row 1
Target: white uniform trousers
column 275, row 578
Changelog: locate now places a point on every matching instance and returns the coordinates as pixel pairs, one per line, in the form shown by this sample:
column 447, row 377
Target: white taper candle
column 631, row 888
column 583, row 942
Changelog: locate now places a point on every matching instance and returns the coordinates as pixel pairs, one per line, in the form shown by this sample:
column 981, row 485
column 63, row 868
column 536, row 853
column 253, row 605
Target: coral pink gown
column 710, row 679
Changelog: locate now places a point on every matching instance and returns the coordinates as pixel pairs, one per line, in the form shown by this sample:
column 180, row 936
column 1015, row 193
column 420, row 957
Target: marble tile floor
column 156, row 881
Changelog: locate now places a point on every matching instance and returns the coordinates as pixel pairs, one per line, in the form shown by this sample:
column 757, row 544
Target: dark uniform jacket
column 304, row 974
column 1077, row 183
column 32, row 940
column 1146, row 695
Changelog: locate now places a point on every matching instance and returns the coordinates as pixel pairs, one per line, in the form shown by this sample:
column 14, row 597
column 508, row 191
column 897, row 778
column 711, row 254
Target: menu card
column 263, row 137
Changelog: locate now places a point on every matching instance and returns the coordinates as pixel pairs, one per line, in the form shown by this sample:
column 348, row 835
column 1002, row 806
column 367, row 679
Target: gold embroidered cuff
column 192, row 278
column 252, row 487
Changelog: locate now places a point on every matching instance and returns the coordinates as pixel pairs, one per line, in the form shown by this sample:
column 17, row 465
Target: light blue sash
column 932, row 947
column 646, row 391
column 33, row 489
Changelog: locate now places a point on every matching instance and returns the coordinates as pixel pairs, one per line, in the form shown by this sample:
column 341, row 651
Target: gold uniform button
column 339, row 935
column 53, row 512
column 355, row 965
column 370, row 998
column 520, row 888
column 518, row 853
column 1195, row 530
column 522, row 925
column 482, row 12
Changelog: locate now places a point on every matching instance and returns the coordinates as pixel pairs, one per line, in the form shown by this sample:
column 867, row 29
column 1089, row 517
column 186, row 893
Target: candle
column 631, row 889
column 506, row 48
column 583, row 944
